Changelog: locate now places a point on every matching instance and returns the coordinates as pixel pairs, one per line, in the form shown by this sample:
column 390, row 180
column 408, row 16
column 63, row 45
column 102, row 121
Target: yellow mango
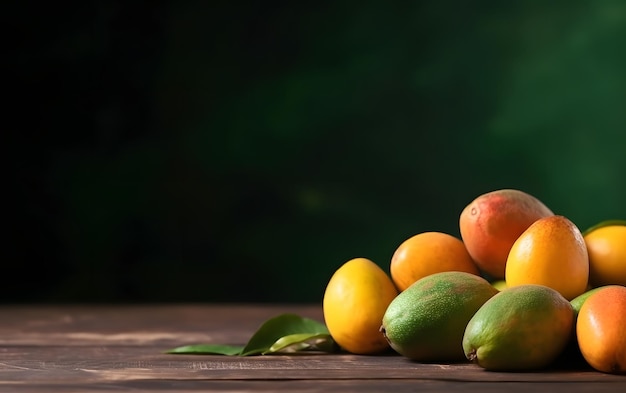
column 550, row 252
column 606, row 246
column 355, row 300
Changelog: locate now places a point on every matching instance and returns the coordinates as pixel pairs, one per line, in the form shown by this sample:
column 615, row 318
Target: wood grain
column 95, row 348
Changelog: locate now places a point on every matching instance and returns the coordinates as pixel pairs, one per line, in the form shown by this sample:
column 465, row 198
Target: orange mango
column 427, row 253
column 601, row 330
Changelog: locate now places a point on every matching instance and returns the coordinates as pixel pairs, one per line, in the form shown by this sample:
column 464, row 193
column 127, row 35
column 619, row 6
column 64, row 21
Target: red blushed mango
column 493, row 221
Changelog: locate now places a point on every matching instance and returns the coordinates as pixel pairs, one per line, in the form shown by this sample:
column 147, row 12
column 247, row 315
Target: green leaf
column 605, row 223
column 208, row 349
column 302, row 341
column 285, row 333
column 278, row 327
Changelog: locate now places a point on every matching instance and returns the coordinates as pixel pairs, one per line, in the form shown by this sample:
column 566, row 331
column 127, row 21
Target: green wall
column 242, row 151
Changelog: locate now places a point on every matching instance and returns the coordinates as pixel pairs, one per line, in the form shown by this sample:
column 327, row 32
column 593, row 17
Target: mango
column 354, row 302
column 492, row 222
column 426, row 253
column 601, row 330
column 426, row 321
column 572, row 353
column 550, row 252
column 579, row 300
column 606, row 245
column 521, row 328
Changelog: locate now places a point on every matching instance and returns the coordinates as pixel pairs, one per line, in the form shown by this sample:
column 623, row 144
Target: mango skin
column 521, row 328
column 601, row 328
column 606, row 246
column 579, row 300
column 571, row 354
column 354, row 302
column 492, row 222
column 550, row 252
column 426, row 321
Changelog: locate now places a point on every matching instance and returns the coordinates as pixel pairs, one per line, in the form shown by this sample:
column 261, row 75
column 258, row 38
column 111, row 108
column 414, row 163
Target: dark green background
column 242, row 151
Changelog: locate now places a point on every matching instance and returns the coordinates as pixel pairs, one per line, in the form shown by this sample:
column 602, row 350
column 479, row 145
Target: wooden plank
column 169, row 325
column 83, row 348
column 147, row 362
column 311, row 386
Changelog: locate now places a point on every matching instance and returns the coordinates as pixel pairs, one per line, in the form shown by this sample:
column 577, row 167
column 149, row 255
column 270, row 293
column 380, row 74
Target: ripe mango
column 354, row 302
column 606, row 245
column 579, row 300
column 426, row 321
column 426, row 253
column 492, row 222
column 601, row 329
column 520, row 328
column 572, row 354
column 550, row 252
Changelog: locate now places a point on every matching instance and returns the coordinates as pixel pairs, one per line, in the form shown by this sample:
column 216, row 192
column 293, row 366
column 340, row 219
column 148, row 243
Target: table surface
column 84, row 348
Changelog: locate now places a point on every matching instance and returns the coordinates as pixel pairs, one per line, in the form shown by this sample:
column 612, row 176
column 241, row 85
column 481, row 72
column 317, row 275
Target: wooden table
column 88, row 348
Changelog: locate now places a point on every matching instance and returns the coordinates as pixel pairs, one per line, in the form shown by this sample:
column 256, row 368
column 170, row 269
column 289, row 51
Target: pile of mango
column 520, row 289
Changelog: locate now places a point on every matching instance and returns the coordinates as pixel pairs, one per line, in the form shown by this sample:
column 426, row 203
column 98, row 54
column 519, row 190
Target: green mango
column 426, row 321
column 521, row 328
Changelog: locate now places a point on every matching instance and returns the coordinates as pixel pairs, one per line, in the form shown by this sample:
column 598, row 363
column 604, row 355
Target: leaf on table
column 207, row 349
column 301, row 342
column 285, row 333
column 281, row 326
